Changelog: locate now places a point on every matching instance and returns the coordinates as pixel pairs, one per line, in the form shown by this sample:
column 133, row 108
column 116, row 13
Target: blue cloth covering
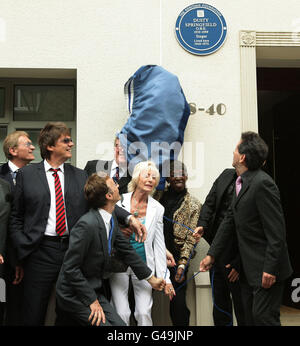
column 158, row 113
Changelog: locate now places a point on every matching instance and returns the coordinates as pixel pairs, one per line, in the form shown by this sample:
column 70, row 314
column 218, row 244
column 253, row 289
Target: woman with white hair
column 150, row 212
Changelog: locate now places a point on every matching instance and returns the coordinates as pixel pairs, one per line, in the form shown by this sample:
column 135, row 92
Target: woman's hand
column 169, row 291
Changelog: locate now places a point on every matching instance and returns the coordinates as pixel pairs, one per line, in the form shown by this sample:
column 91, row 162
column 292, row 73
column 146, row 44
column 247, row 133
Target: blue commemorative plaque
column 201, row 29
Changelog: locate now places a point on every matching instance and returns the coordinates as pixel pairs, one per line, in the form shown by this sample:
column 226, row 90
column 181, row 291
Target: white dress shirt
column 106, row 216
column 51, row 223
column 113, row 168
column 12, row 166
column 13, row 169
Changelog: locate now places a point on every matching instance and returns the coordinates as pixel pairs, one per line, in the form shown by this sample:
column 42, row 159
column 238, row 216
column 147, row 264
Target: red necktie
column 117, row 175
column 60, row 206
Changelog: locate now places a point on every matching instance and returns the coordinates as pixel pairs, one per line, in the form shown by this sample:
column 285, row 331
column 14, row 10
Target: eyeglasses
column 66, row 140
column 28, row 144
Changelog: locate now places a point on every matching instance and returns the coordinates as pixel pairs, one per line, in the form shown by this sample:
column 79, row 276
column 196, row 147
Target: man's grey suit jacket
column 87, row 262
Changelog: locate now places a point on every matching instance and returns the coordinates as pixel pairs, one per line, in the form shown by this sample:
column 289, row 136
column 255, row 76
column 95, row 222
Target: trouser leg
column 179, row 312
column 41, row 270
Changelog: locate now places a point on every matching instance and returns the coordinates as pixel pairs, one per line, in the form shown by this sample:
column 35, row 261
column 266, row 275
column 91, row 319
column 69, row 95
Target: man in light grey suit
column 79, row 288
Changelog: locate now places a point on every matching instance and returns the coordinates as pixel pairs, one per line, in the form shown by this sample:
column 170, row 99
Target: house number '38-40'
column 219, row 109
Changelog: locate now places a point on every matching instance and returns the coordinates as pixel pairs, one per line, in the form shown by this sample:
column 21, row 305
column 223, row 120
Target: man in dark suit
column 87, row 261
column 257, row 218
column 48, row 201
column 225, row 273
column 18, row 150
column 116, row 168
column 5, row 191
column 5, row 197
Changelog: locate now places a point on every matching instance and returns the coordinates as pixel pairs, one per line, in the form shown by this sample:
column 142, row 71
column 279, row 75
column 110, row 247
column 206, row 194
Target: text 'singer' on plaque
column 201, row 29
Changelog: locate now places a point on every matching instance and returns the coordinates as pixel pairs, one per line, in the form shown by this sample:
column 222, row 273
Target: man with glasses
column 48, row 201
column 18, row 150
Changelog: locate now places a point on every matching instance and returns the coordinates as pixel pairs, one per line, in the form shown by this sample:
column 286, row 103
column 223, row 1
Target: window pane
column 3, row 133
column 2, row 102
column 44, row 102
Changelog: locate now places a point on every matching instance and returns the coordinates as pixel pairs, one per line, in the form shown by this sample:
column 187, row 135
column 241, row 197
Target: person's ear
column 108, row 195
column 242, row 158
column 13, row 151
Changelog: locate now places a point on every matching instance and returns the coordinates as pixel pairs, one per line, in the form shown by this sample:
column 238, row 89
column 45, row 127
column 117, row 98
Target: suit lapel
column 245, row 187
column 102, row 233
column 42, row 175
column 150, row 213
column 114, row 230
column 5, row 173
column 246, row 182
column 123, row 181
column 126, row 201
column 67, row 173
column 222, row 187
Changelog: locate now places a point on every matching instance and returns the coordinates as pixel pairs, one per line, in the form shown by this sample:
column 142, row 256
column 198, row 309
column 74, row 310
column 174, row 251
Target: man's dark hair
column 254, row 148
column 49, row 135
column 95, row 190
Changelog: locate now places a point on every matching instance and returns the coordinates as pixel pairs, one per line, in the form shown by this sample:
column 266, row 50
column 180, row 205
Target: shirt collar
column 105, row 215
column 114, row 165
column 48, row 166
column 12, row 166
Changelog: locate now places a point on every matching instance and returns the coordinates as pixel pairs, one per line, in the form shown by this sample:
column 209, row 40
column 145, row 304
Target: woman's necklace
column 136, row 207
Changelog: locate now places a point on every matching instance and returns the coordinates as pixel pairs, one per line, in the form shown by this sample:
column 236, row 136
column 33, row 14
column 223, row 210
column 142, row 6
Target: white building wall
column 107, row 41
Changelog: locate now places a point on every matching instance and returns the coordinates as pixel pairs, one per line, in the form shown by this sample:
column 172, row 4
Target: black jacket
column 209, row 217
column 30, row 209
column 6, row 175
column 256, row 215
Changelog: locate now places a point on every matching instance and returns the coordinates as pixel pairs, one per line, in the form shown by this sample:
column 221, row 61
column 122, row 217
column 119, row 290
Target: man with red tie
column 48, row 201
